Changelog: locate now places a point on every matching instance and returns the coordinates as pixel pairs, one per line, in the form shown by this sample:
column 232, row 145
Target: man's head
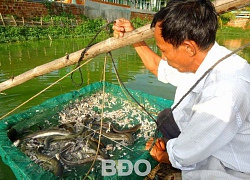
column 185, row 31
column 188, row 20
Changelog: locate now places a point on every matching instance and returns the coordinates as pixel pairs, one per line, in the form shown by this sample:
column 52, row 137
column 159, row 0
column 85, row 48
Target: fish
column 54, row 165
column 45, row 133
column 51, row 138
column 127, row 137
column 42, row 134
column 82, row 161
column 129, row 130
column 97, row 125
column 111, row 127
column 68, row 126
column 94, row 146
column 102, row 145
column 78, row 162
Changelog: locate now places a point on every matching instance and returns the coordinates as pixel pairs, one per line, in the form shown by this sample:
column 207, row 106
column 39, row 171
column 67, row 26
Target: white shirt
column 214, row 118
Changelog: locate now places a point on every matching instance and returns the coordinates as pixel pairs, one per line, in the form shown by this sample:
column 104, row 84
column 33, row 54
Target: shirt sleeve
column 168, row 74
column 212, row 123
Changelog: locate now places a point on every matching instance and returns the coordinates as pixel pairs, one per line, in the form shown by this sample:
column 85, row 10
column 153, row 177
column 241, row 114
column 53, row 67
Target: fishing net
column 111, row 104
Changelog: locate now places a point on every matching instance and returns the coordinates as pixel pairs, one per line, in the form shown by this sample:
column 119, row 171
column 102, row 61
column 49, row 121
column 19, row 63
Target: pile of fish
column 64, row 147
column 89, row 130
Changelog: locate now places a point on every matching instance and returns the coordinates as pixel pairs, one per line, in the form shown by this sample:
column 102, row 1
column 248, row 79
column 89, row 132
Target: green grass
column 234, row 31
column 87, row 27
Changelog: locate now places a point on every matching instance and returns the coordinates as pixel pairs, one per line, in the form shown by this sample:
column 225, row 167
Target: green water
column 16, row 58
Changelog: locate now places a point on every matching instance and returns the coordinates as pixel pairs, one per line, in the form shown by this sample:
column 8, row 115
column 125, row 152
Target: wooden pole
column 230, row 5
column 70, row 59
column 110, row 44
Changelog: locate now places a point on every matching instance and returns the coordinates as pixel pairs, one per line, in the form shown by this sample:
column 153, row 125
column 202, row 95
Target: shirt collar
column 208, row 62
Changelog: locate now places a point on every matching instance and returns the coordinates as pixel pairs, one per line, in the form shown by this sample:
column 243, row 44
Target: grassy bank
column 234, row 32
column 86, row 27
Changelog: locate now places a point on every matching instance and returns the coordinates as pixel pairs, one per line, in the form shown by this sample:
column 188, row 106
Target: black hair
column 188, row 20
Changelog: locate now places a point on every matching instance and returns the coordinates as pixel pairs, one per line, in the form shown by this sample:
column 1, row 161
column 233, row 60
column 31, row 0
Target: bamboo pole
column 70, row 59
column 230, row 5
column 110, row 44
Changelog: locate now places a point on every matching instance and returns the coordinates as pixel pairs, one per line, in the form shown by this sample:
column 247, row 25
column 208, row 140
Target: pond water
column 20, row 57
column 17, row 58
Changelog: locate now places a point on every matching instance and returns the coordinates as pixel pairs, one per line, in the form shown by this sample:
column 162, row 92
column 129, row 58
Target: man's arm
column 149, row 58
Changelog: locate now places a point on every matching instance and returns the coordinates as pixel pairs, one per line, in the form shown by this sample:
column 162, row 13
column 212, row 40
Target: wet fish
column 45, row 133
column 122, row 135
column 102, row 145
column 111, row 127
column 129, row 130
column 68, row 126
column 52, row 138
column 53, row 164
column 127, row 137
column 42, row 134
column 97, row 125
column 94, row 146
column 82, row 161
column 78, row 162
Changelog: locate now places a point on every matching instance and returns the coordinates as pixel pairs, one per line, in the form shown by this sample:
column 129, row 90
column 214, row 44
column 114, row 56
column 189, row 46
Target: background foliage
column 62, row 28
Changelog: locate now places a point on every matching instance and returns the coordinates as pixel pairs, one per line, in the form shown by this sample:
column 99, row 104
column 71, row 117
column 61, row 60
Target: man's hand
column 158, row 151
column 121, row 26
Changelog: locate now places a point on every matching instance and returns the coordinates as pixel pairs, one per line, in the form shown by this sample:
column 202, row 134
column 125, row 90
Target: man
column 213, row 120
